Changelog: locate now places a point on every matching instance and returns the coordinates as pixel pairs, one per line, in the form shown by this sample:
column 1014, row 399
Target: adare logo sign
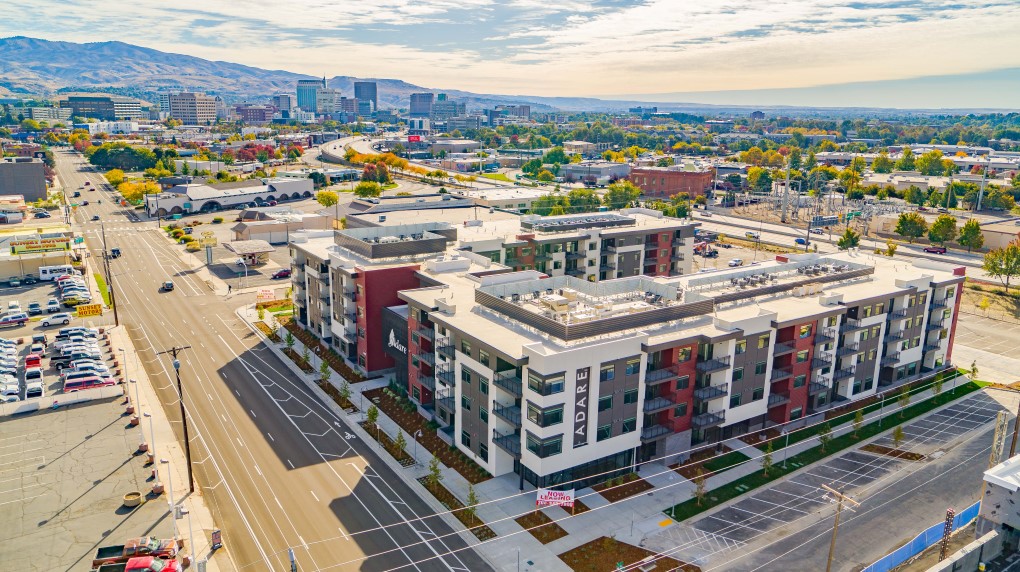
column 395, row 343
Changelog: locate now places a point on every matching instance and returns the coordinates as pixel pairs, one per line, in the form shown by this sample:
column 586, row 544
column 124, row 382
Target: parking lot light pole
column 152, row 438
column 170, row 493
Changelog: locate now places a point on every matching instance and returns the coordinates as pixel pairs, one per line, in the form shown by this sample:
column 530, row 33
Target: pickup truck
column 145, row 546
column 141, row 564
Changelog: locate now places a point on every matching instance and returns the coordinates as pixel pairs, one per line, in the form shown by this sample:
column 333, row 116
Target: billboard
column 86, row 310
column 413, row 138
column 39, row 244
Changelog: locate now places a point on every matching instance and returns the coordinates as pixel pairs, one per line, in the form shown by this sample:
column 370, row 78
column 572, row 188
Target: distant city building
column 584, row 148
column 110, row 127
column 193, row 108
column 106, row 108
column 387, row 116
column 464, row 122
column 419, row 126
column 757, row 115
column 664, row 182
column 719, row 125
column 327, row 100
column 364, row 107
column 222, row 111
column 522, row 111
column 367, row 91
column 444, row 108
column 23, row 176
column 643, row 110
column 255, row 113
column 50, row 114
column 599, row 172
column 421, row 104
column 284, row 101
column 348, row 105
column 306, row 93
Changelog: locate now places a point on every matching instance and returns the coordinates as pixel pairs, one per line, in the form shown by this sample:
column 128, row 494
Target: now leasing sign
column 581, row 407
column 548, row 497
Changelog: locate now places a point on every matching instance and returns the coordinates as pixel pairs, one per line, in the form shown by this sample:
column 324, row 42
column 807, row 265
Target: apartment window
column 361, row 312
column 545, row 448
column 545, row 387
column 759, row 368
column 483, row 385
column 483, row 451
column 865, row 335
column 362, row 360
column 414, row 361
column 465, row 438
column 830, row 321
column 557, row 265
column 525, row 252
column 909, row 322
column 483, row 357
column 662, row 268
column 827, row 347
column 735, row 400
column 591, row 262
column 483, row 414
column 465, row 375
column 465, row 347
column 683, row 354
column 805, row 331
column 916, row 342
column 860, row 357
column 763, row 342
column 545, row 417
column 629, row 425
column 758, row 393
column 606, row 403
column 922, row 298
column 799, row 381
column 680, row 410
column 796, row 413
column 684, row 382
column 607, row 373
column 741, row 346
column 950, row 292
column 630, row 396
column 633, row 367
column 604, row 432
column 856, row 389
column 867, row 311
column 880, row 308
column 869, row 383
column 905, row 345
column 415, row 393
column 802, row 356
column 663, row 253
column 361, row 333
column 465, row 403
column 875, row 331
column 738, row 374
column 414, row 337
column 872, row 353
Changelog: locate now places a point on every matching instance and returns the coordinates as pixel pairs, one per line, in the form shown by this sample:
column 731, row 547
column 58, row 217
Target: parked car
column 42, row 215
column 736, row 262
column 167, row 286
column 801, row 241
column 14, row 281
column 283, row 273
column 54, row 319
column 935, row 249
column 34, row 308
column 115, row 253
column 95, row 217
column 30, row 279
column 33, row 360
column 16, row 319
column 52, row 305
column 141, row 564
column 77, row 330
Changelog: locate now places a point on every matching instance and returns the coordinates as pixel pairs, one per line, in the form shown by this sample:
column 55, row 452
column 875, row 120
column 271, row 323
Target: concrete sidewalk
column 157, row 432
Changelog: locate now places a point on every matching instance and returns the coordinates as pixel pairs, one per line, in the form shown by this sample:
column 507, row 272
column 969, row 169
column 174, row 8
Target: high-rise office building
column 103, row 107
column 193, row 108
column 444, row 108
column 367, row 91
column 327, row 100
column 284, row 101
column 306, row 88
column 421, row 104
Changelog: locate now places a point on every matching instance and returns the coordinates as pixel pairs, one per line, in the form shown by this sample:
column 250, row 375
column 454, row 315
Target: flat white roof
column 1006, row 474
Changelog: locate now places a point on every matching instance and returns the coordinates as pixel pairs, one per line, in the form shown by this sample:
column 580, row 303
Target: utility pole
column 1016, row 428
column 786, row 192
column 946, row 531
column 184, row 418
column 840, row 499
column 109, row 277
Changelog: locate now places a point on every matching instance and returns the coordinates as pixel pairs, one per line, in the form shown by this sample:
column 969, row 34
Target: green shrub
column 176, row 233
column 184, row 239
column 192, row 246
column 217, row 220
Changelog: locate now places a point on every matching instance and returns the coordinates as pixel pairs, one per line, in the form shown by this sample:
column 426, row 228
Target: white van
column 752, row 235
column 53, row 272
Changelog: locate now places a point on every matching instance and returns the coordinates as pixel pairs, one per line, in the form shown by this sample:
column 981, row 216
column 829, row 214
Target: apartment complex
column 193, row 108
column 664, row 182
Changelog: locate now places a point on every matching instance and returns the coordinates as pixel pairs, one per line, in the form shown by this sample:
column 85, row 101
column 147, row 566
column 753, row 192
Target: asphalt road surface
column 279, row 469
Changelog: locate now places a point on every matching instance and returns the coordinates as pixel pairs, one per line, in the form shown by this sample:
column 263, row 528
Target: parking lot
column 760, row 517
column 63, row 475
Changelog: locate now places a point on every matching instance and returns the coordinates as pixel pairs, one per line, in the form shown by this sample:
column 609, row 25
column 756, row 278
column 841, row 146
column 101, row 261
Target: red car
column 284, row 273
column 935, row 249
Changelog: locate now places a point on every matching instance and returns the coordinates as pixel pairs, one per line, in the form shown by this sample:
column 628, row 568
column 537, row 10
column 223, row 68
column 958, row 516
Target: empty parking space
column 928, row 434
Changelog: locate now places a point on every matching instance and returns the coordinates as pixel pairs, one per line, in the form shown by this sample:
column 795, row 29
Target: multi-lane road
column 280, row 471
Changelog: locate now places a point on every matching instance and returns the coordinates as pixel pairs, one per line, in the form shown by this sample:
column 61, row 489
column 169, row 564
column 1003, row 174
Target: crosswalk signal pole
column 840, row 499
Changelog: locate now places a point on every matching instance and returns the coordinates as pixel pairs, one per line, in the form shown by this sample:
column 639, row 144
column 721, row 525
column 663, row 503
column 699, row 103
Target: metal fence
column 922, row 541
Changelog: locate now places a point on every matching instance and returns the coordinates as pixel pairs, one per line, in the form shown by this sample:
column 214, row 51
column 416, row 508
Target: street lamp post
column 415, row 438
column 184, row 417
column 170, row 493
column 152, row 439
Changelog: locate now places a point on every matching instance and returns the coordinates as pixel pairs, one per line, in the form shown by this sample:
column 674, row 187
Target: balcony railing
column 607, row 266
column 849, row 325
column 513, row 261
column 941, row 302
column 510, row 382
column 426, row 356
column 445, row 347
column 427, row 381
column 706, row 420
column 929, row 347
column 510, row 443
column 710, row 392
column 934, row 324
column 445, row 374
column 814, row 388
column 825, row 336
column 575, row 255
column 781, row 373
column 660, row 375
column 891, row 359
column 351, row 295
column 847, row 349
column 897, row 314
column 893, row 337
column 542, row 256
column 783, row 348
column 821, row 359
column 679, row 242
column 657, row 404
column 714, row 364
column 844, row 373
column 448, row 403
column 509, row 413
column 776, row 399
column 427, row 333
column 609, row 248
column 575, row 271
column 655, row 431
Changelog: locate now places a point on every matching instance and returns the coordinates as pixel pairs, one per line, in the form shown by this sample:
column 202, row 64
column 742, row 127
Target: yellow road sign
column 86, row 310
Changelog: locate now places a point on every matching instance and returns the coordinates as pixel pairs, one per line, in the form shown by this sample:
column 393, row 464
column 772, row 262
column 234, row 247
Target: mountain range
column 31, row 66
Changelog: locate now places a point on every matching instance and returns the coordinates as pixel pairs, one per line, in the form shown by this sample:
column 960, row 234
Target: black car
column 95, row 217
column 42, row 215
column 34, row 308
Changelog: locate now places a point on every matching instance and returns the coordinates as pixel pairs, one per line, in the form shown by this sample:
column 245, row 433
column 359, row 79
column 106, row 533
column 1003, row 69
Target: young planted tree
column 824, row 436
column 858, row 421
column 400, row 441
column 766, row 459
column 936, row 387
column 472, row 503
column 372, row 415
column 984, row 304
column 973, row 369
column 897, row 436
column 289, row 340
column 324, row 372
column 345, row 390
column 306, row 355
column 943, row 230
column 700, row 489
column 435, row 475
column 904, row 399
column 261, row 313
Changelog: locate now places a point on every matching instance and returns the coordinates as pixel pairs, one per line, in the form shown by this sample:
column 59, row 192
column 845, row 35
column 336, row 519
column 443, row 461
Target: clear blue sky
column 565, row 47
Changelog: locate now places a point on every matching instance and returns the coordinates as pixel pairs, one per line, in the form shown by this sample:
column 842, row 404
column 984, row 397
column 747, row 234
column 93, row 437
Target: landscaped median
column 715, row 497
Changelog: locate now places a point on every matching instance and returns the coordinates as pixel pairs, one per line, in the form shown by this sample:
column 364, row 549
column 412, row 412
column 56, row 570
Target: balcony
column 844, row 373
column 575, row 272
column 710, row 392
column 898, row 314
column 706, row 420
column 847, row 350
column 934, row 324
column 891, row 359
column 607, row 266
column 609, row 248
column 445, row 348
column 350, row 337
column 814, row 388
column 820, row 360
column 651, row 246
column 427, row 381
column 783, row 348
column 937, row 303
column 447, row 402
column 445, row 374
column 513, row 261
column 427, row 333
column 509, row 413
column 351, row 316
column 657, row 404
column 892, row 337
column 779, row 373
column 714, row 364
column 543, row 257
column 654, row 432
column 850, row 325
column 677, row 258
column 825, row 336
column 426, row 356
column 575, row 255
column 656, row 376
column 777, row 399
column 510, row 443
column 679, row 242
column 929, row 347
column 351, row 295
column 509, row 382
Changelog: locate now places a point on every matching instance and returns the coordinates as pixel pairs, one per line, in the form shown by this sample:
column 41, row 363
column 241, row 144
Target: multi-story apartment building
column 193, row 108
column 664, row 182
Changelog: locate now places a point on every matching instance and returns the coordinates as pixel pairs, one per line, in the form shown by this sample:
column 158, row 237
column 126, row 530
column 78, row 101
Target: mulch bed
column 313, row 344
column 267, row 331
column 275, row 305
column 579, row 507
column 622, row 487
column 689, row 468
column 604, row 553
column 402, row 457
column 300, row 361
column 334, row 393
column 446, row 498
column 412, row 422
column 543, row 528
column 890, row 452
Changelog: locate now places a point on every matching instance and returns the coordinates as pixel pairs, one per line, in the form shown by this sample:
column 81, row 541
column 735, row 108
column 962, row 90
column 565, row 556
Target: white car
column 10, row 389
column 736, row 262
column 95, row 367
column 9, row 398
column 33, row 375
column 54, row 319
column 35, row 389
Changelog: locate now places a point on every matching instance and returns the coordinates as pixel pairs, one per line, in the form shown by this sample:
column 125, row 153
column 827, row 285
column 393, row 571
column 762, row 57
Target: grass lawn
column 723, row 462
column 497, row 177
column 715, row 497
column 389, row 186
column 101, row 284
